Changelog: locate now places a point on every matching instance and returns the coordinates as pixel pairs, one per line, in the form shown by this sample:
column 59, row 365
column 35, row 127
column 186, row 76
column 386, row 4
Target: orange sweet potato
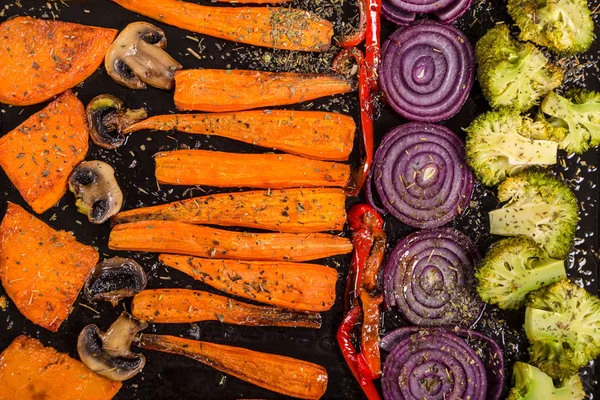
column 39, row 155
column 291, row 210
column 295, row 286
column 219, row 90
column 313, row 134
column 42, row 270
column 30, row 371
column 42, row 58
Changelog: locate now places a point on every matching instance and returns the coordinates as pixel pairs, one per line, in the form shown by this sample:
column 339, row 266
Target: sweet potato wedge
column 291, row 210
column 219, row 90
column 201, row 241
column 295, row 286
column 182, row 306
column 31, row 371
column 42, row 270
column 284, row 375
column 312, row 134
column 42, row 58
column 39, row 155
column 279, row 27
column 263, row 171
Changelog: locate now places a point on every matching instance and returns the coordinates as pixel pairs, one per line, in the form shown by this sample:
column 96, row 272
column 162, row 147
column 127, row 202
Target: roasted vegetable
column 115, row 279
column 42, row 58
column 42, row 270
column 530, row 383
column 511, row 73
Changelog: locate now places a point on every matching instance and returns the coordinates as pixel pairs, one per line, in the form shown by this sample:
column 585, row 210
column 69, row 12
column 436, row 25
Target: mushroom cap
column 115, row 279
column 96, row 189
column 137, row 58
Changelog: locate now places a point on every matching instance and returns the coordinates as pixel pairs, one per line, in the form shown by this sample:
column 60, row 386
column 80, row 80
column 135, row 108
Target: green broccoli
column 514, row 267
column 562, row 323
column 540, row 206
column 511, row 73
column 564, row 26
column 501, row 143
column 578, row 114
column 530, row 383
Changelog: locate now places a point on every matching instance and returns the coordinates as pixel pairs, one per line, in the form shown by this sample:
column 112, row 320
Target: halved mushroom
column 115, row 279
column 107, row 118
column 108, row 353
column 97, row 192
column 137, row 58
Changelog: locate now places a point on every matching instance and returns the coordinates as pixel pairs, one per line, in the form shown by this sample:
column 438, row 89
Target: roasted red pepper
column 372, row 44
column 359, row 35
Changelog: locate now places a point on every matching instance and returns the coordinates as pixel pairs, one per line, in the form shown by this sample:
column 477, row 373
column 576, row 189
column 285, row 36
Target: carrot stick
column 181, row 306
column 279, row 28
column 302, row 287
column 288, row 210
column 221, row 169
column 313, row 134
column 201, row 241
column 284, row 375
column 214, row 90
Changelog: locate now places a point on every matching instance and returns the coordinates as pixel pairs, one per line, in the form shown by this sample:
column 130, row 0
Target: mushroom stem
column 117, row 339
column 119, row 120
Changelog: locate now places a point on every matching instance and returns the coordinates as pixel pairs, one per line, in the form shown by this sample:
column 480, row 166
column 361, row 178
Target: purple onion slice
column 420, row 6
column 396, row 15
column 488, row 355
column 421, row 176
column 427, row 71
column 454, row 11
column 429, row 277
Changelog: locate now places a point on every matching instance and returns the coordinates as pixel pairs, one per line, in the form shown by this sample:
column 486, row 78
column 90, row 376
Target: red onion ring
column 394, row 12
column 420, row 6
column 426, row 71
column 421, row 176
column 396, row 15
column 429, row 277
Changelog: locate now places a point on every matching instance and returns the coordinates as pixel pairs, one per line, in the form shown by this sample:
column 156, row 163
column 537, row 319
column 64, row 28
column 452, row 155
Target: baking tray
column 173, row 377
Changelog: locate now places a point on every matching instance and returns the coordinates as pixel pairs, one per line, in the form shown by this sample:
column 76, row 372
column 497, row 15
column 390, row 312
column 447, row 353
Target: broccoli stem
column 521, row 220
column 544, row 325
column 544, row 273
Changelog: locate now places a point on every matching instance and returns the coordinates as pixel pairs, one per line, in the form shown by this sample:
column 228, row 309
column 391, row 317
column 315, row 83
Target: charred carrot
column 288, row 210
column 215, row 90
column 263, row 171
column 280, row 28
column 201, row 241
column 284, row 375
column 313, row 134
column 180, row 306
column 295, row 286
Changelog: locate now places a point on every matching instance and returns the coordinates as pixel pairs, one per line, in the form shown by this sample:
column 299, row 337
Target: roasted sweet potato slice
column 42, row 270
column 42, row 58
column 30, row 371
column 39, row 155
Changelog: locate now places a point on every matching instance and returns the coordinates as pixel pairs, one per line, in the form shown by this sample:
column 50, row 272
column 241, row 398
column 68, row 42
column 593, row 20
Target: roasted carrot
column 302, row 287
column 201, row 241
column 263, row 171
column 39, row 155
column 42, row 270
column 313, row 134
column 42, row 58
column 30, row 371
column 280, row 28
column 288, row 210
column 214, row 90
column 284, row 375
column 181, row 306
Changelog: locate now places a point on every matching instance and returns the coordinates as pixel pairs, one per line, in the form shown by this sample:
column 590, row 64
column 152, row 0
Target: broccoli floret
column 530, row 383
column 514, row 267
column 562, row 323
column 540, row 206
column 501, row 143
column 564, row 26
column 511, row 73
column 578, row 114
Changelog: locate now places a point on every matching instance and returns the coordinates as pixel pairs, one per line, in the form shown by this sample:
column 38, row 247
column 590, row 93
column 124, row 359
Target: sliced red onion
column 420, row 6
column 487, row 350
column 396, row 15
column 394, row 12
column 429, row 277
column 454, row 11
column 421, row 176
column 427, row 71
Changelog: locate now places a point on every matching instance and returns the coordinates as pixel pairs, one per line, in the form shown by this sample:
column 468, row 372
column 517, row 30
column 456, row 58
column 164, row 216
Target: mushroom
column 115, row 279
column 97, row 192
column 107, row 118
column 137, row 58
column 108, row 353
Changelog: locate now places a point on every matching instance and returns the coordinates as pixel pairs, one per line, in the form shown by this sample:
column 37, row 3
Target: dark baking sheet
column 172, row 377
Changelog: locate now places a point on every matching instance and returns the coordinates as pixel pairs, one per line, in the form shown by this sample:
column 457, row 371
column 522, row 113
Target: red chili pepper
column 372, row 45
column 369, row 339
column 359, row 35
